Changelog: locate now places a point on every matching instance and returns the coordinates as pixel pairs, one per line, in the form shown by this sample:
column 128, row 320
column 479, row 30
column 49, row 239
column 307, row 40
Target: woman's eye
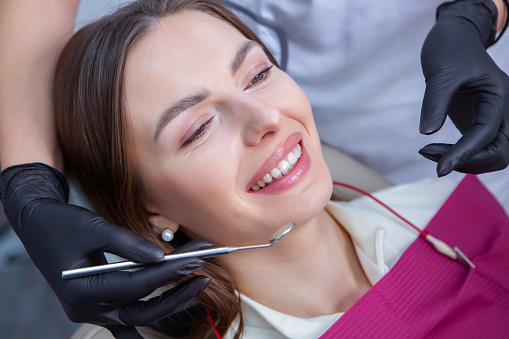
column 198, row 133
column 260, row 77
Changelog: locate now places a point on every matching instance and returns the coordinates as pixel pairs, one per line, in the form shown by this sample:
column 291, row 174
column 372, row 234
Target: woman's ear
column 160, row 223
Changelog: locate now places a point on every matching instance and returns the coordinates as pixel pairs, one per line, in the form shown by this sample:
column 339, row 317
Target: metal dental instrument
column 213, row 252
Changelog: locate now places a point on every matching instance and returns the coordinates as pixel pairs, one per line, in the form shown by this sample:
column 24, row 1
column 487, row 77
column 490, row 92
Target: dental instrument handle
column 126, row 265
column 441, row 247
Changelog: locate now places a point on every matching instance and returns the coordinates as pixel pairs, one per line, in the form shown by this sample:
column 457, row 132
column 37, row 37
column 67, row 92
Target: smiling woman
column 96, row 82
column 174, row 116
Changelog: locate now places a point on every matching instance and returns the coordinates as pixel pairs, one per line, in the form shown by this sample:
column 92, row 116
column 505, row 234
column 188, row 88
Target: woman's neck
column 313, row 271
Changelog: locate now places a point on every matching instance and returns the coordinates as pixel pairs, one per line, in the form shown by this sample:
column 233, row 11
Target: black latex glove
column 462, row 81
column 59, row 237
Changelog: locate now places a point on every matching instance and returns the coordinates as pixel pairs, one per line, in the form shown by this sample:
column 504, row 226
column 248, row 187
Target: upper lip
column 279, row 154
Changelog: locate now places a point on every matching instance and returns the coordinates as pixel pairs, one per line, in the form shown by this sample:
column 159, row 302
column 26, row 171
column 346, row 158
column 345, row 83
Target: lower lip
column 293, row 177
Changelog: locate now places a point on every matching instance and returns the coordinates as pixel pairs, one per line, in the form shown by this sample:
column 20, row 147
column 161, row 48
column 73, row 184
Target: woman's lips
column 284, row 168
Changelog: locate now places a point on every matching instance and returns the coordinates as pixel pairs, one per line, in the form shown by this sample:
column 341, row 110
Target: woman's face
column 211, row 117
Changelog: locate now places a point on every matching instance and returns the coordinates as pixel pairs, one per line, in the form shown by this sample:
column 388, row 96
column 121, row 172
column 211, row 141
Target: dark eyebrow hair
column 180, row 107
column 241, row 55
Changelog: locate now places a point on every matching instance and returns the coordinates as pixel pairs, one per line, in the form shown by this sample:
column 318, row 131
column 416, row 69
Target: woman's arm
column 32, row 33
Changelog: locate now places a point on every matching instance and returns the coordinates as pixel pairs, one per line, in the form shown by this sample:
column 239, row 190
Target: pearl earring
column 167, row 235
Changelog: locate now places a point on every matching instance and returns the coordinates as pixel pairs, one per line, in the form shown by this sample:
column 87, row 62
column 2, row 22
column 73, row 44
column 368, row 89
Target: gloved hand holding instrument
column 464, row 83
column 58, row 236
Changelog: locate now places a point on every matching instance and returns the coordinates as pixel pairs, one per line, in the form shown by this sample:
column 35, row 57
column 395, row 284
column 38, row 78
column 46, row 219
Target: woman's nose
column 259, row 120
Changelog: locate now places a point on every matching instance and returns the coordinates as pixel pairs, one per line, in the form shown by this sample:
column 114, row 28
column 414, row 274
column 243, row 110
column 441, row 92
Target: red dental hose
column 356, row 189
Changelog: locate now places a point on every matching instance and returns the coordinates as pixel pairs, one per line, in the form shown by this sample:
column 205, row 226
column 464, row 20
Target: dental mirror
column 213, row 252
column 281, row 233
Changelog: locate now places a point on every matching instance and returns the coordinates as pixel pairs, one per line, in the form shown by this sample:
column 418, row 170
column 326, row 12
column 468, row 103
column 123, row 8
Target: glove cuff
column 22, row 184
column 482, row 13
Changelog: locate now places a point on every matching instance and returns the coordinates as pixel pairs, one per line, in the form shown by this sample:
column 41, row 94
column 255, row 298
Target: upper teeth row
column 284, row 166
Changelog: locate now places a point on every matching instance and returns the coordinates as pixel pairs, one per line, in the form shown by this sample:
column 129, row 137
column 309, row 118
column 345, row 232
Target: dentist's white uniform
column 359, row 63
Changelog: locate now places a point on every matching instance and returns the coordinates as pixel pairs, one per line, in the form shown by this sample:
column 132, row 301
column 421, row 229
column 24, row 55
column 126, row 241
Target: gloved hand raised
column 58, row 237
column 462, row 81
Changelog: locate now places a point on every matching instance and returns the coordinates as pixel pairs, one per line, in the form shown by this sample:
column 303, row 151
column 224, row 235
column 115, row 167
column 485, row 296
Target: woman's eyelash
column 198, row 134
column 260, row 77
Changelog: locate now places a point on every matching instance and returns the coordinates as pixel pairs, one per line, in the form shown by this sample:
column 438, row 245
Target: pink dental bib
column 428, row 295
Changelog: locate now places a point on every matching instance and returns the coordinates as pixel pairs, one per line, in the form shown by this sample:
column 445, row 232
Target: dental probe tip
column 464, row 257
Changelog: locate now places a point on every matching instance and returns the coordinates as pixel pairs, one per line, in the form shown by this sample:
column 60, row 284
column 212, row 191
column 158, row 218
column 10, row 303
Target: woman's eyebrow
column 179, row 107
column 241, row 54
column 201, row 95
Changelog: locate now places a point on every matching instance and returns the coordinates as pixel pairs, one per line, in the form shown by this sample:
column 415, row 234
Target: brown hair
column 95, row 132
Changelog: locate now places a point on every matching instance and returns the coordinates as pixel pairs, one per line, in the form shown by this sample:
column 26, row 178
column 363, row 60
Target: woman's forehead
column 184, row 43
column 191, row 31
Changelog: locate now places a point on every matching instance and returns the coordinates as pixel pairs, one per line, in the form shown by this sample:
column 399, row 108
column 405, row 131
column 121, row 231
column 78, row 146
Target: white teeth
column 292, row 159
column 283, row 168
column 276, row 173
column 297, row 150
column 267, row 178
